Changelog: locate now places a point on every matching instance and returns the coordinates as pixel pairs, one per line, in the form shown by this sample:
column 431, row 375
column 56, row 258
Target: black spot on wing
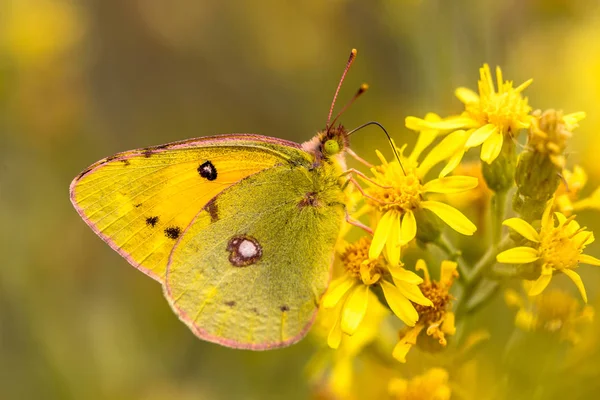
column 230, row 303
column 151, row 221
column 125, row 162
column 208, row 171
column 148, row 152
column 138, row 205
column 173, row 232
column 284, row 308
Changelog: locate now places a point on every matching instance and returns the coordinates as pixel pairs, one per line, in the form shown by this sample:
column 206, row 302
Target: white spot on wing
column 247, row 249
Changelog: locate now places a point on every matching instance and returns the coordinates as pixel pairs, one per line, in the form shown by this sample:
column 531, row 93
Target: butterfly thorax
column 328, row 146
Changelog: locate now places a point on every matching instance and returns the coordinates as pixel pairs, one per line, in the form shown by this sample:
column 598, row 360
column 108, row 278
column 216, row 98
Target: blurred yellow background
column 81, row 80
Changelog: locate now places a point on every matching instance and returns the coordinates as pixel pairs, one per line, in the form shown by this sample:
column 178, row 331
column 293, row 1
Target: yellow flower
column 332, row 372
column 567, row 195
column 553, row 312
column 352, row 290
column 398, row 192
column 433, row 385
column 437, row 320
column 549, row 132
column 557, row 248
column 489, row 116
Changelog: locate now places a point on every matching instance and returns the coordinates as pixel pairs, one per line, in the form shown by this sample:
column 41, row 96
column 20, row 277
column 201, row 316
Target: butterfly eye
column 331, row 147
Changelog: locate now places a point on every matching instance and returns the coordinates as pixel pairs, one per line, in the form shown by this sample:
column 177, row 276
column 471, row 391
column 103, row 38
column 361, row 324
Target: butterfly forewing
column 140, row 202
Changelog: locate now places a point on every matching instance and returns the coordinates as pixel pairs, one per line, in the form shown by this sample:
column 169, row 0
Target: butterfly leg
column 358, row 224
column 352, row 171
column 363, row 193
column 359, row 158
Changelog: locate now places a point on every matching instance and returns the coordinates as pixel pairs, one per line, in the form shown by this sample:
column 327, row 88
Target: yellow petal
column 518, row 255
column 421, row 265
column 453, row 162
column 449, row 146
column 491, row 147
column 587, row 259
column 382, row 232
column 465, row 95
column 522, row 228
column 525, row 320
column 404, row 275
column 413, row 293
column 450, row 215
column 512, row 298
column 539, row 285
column 577, row 281
column 393, row 244
column 335, row 334
column 406, row 342
column 448, row 326
column 399, row 304
column 355, row 309
column 409, row 227
column 337, row 290
column 448, row 271
column 451, row 184
column 481, row 135
column 547, row 220
column 447, row 124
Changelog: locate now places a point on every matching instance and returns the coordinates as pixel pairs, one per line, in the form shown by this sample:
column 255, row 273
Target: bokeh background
column 81, row 80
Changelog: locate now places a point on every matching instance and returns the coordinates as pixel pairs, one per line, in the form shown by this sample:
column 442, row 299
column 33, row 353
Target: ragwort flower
column 352, row 290
column 397, row 192
column 567, row 198
column 558, row 248
column 438, row 320
column 433, row 385
column 490, row 116
column 554, row 312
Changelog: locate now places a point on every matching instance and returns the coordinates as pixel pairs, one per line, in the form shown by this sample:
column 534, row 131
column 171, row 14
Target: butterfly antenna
column 386, row 134
column 363, row 88
column 348, row 64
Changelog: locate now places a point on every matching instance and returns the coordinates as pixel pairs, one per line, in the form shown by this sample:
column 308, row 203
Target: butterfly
column 239, row 229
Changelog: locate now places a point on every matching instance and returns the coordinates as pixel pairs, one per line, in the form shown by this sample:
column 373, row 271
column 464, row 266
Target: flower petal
column 523, row 228
column 491, row 147
column 382, row 232
column 448, row 147
column 355, row 309
column 394, row 244
column 337, row 290
column 539, row 285
column 481, row 135
column 451, row 184
column 413, row 293
column 587, row 259
column 399, row 304
column 447, row 124
column 409, row 227
column 577, row 281
column 466, row 96
column 450, row 215
column 406, row 342
column 335, row 334
column 404, row 275
column 518, row 255
column 452, row 163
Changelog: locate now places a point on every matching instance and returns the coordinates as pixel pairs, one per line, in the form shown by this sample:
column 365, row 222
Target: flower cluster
column 417, row 210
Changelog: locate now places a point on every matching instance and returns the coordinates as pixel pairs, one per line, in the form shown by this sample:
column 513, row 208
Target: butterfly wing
column 250, row 269
column 140, row 201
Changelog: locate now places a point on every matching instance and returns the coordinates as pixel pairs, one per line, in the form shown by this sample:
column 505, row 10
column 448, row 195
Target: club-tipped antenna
column 363, row 88
column 386, row 134
column 348, row 64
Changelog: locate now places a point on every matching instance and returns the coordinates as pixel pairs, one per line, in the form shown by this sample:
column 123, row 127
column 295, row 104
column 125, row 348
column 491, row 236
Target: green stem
column 498, row 208
column 453, row 255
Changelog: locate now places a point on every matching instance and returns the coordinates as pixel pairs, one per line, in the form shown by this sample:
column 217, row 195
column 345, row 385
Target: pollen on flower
column 506, row 108
column 400, row 191
column 357, row 263
column 558, row 249
column 549, row 132
column 439, row 296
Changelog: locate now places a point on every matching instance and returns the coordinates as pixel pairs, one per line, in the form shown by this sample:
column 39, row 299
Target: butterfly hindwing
column 250, row 269
column 141, row 201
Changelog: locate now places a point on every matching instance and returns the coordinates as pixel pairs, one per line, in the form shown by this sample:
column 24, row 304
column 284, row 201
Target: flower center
column 402, row 192
column 559, row 250
column 357, row 263
column 440, row 298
